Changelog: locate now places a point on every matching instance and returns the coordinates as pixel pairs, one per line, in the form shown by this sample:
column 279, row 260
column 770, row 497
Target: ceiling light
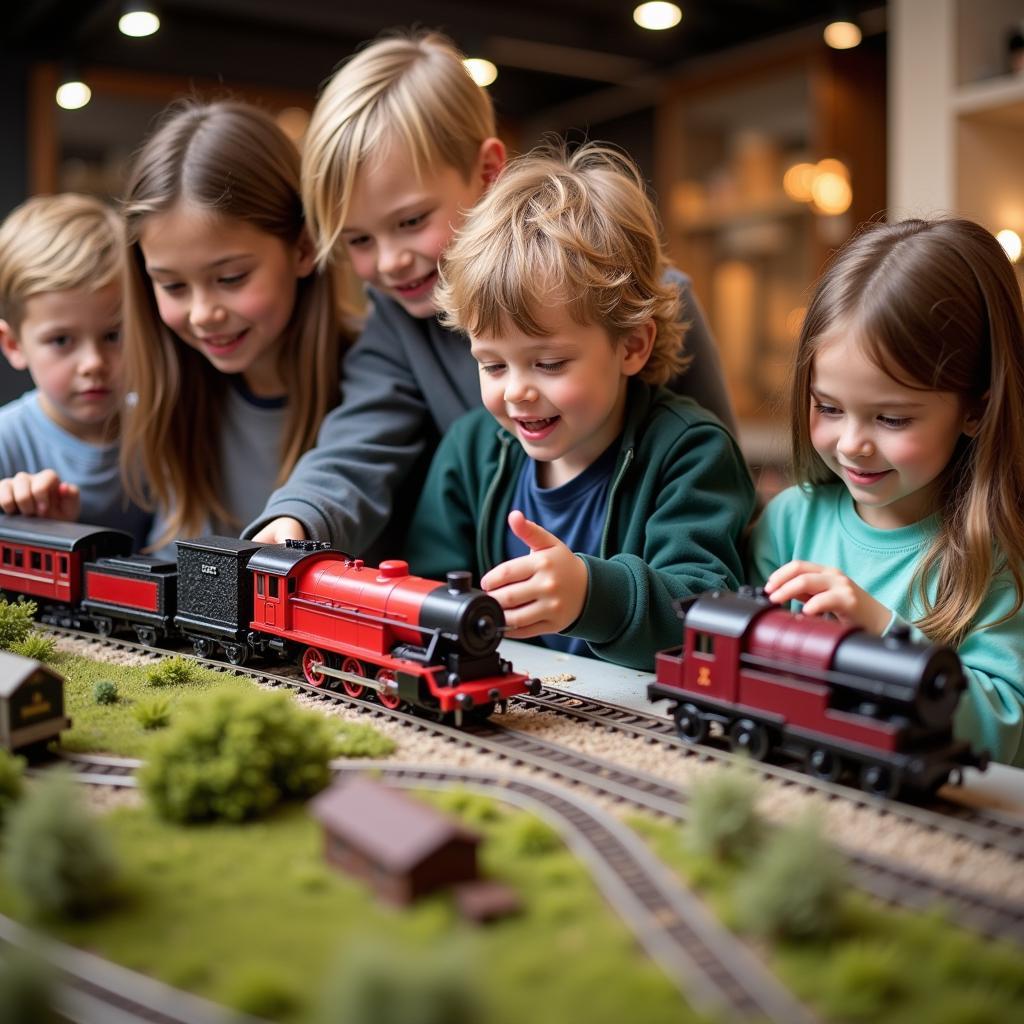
column 483, row 72
column 657, row 16
column 1010, row 241
column 138, row 19
column 73, row 93
column 842, row 35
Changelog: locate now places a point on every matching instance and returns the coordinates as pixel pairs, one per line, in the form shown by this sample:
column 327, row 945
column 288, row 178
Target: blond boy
column 61, row 260
column 603, row 497
column 401, row 145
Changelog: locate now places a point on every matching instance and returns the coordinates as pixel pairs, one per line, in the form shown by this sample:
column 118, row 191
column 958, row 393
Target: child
column 619, row 496
column 908, row 425
column 233, row 344
column 401, row 144
column 61, row 261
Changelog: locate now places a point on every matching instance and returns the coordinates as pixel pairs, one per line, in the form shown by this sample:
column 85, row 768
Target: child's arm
column 542, row 592
column 40, row 494
column 823, row 591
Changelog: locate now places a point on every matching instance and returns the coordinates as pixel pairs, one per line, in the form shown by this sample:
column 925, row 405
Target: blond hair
column 54, row 244
column 939, row 309
column 578, row 229
column 412, row 89
column 232, row 159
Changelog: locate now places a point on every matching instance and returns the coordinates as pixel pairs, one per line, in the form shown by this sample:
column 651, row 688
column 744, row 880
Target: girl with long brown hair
column 232, row 340
column 908, row 448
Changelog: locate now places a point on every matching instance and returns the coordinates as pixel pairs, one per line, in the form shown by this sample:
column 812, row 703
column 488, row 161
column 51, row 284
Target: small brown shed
column 402, row 847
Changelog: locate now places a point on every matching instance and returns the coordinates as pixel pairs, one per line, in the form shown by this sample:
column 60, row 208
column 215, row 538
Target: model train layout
column 835, row 698
column 407, row 640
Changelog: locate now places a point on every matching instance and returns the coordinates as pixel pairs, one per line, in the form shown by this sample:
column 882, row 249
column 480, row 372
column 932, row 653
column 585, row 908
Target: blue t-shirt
column 573, row 512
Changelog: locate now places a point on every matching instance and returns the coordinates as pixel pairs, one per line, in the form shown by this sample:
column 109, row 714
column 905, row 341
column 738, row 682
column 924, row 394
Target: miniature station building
column 31, row 703
column 405, row 849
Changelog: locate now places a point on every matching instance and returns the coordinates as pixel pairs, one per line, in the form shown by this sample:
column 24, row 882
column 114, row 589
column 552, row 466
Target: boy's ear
column 490, row 160
column 638, row 345
column 11, row 347
column 306, row 253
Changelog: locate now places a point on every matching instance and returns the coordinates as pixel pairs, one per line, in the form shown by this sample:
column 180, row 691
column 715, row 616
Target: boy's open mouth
column 412, row 287
column 533, row 429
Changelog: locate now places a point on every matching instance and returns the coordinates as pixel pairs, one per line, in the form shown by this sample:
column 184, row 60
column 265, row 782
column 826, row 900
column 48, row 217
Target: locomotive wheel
column 201, row 647
column 237, row 654
column 749, row 737
column 691, row 723
column 353, row 666
column 824, row 765
column 146, row 635
column 878, row 780
column 104, row 625
column 391, row 702
column 312, row 659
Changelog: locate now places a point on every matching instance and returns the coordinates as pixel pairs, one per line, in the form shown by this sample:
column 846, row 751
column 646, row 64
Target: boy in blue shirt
column 601, row 496
column 61, row 259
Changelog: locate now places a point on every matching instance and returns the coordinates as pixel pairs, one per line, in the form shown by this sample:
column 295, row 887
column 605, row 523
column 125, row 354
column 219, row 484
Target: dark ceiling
column 550, row 52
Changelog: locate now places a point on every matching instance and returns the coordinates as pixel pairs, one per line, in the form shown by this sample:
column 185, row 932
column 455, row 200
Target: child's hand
column 280, row 530
column 542, row 592
column 40, row 494
column 824, row 590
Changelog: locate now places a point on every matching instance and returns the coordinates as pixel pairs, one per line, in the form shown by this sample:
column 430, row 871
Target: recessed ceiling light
column 842, row 35
column 73, row 94
column 138, row 20
column 657, row 16
column 483, row 72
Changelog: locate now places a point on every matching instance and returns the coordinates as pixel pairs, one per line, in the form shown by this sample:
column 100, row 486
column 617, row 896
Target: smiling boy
column 400, row 147
column 601, row 497
column 61, row 259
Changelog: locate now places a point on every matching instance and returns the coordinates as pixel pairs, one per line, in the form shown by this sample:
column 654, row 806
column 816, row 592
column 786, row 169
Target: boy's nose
column 393, row 258
column 518, row 391
column 92, row 357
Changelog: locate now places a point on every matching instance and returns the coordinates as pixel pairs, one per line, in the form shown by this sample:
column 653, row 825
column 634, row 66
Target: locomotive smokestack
column 459, row 582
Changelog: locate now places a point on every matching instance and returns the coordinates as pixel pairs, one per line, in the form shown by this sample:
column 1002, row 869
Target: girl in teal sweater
column 908, row 445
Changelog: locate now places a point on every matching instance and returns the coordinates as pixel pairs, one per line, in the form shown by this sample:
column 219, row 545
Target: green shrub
column 57, row 856
column 531, row 837
column 435, row 985
column 260, row 990
column 723, row 821
column 171, row 672
column 27, row 990
column 863, row 979
column 17, row 620
column 105, row 692
column 235, row 755
column 11, row 786
column 153, row 714
column 354, row 739
column 794, row 888
column 35, row 645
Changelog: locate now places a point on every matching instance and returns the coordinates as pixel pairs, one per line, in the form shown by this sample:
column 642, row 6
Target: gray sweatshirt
column 404, row 383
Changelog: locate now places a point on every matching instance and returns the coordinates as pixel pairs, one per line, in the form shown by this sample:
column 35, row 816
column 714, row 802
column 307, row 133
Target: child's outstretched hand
column 40, row 494
column 542, row 592
column 280, row 530
column 824, row 590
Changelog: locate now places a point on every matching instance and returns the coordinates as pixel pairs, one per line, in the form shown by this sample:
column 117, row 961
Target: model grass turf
column 252, row 916
column 881, row 965
column 115, row 729
column 12, row 770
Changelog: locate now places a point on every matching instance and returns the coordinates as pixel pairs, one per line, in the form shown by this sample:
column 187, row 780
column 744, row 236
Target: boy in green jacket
column 600, row 497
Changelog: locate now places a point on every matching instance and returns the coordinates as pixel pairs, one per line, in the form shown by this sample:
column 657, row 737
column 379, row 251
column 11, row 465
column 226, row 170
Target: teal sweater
column 679, row 500
column 821, row 525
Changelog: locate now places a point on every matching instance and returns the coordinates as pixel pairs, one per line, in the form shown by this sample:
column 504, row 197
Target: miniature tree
column 153, row 714
column 794, row 889
column 723, row 820
column 11, row 787
column 16, row 621
column 235, row 755
column 36, row 646
column 375, row 983
column 171, row 672
column 57, row 856
column 105, row 692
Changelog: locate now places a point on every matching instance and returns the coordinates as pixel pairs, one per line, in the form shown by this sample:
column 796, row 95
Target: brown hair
column 579, row 226
column 939, row 308
column 234, row 160
column 410, row 87
column 54, row 244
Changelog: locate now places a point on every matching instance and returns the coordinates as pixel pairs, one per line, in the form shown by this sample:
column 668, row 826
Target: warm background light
column 797, row 181
column 831, row 193
column 1010, row 241
column 657, row 16
column 842, row 35
column 73, row 95
column 483, row 72
column 138, row 23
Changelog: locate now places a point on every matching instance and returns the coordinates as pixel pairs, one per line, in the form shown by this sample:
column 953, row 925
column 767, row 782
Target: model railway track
column 986, row 828
column 712, row 968
column 889, row 881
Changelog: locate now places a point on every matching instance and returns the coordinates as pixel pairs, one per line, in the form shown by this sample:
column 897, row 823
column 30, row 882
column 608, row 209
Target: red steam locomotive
column 406, row 640
column 834, row 697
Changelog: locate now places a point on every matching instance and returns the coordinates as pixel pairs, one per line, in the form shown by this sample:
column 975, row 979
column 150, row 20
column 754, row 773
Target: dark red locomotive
column 832, row 696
